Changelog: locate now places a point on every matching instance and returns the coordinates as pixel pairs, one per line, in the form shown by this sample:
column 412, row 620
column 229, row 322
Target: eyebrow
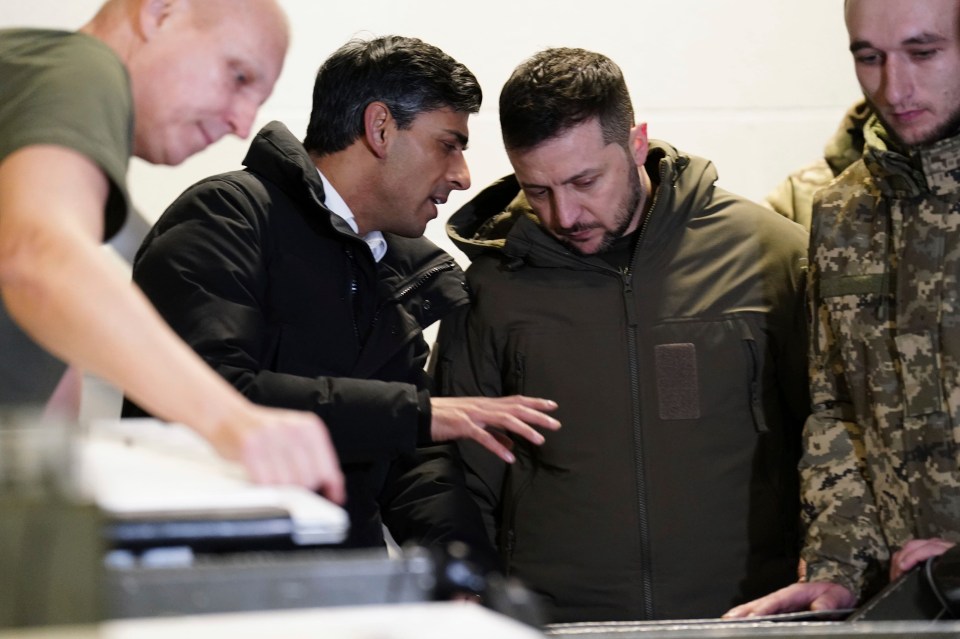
column 572, row 178
column 923, row 38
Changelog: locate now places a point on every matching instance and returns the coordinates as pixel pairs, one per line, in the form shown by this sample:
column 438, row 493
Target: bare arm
column 64, row 291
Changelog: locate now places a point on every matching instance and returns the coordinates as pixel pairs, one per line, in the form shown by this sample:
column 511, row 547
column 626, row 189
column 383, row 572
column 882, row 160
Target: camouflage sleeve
column 793, row 198
column 844, row 542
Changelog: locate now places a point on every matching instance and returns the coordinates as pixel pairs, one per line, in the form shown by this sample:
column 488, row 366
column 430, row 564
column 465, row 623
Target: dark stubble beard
column 627, row 212
column 946, row 130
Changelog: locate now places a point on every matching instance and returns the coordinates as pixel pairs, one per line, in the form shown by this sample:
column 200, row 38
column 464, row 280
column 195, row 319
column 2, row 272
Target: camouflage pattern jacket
column 881, row 461
column 793, row 198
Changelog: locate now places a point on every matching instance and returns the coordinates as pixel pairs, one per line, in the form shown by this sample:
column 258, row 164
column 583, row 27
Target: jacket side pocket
column 921, row 377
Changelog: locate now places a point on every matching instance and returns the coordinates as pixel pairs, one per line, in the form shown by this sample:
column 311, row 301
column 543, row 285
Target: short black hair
column 557, row 89
column 407, row 74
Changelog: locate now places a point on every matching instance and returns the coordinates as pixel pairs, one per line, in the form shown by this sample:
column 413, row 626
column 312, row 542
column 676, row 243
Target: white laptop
column 164, row 482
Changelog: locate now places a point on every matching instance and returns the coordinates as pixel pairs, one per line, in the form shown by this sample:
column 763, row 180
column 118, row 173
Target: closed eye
column 923, row 54
column 869, row 59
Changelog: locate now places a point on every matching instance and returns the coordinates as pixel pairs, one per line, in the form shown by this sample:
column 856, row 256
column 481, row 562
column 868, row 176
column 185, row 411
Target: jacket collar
column 279, row 157
column 908, row 173
column 499, row 218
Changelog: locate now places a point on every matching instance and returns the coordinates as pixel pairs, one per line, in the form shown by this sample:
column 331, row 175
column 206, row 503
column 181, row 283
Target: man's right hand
column 279, row 446
column 487, row 420
column 815, row 595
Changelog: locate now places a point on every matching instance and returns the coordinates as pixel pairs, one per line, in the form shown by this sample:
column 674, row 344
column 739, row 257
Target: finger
column 302, row 449
column 788, row 599
column 279, row 457
column 260, row 460
column 914, row 553
column 331, row 483
column 833, row 597
column 502, row 437
column 490, row 442
column 748, row 609
column 256, row 467
column 529, row 410
column 536, row 418
column 537, row 403
column 516, row 426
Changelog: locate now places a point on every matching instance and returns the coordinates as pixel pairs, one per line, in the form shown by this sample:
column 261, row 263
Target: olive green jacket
column 671, row 491
column 793, row 198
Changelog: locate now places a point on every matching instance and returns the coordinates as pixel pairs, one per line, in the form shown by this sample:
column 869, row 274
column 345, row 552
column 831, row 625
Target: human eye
column 585, row 183
column 535, row 193
column 923, row 54
column 867, row 57
column 241, row 75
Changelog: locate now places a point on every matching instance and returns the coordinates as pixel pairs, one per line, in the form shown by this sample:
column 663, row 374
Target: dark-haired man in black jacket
column 304, row 280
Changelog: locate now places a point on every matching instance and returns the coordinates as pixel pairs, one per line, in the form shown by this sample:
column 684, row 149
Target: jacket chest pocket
column 711, row 369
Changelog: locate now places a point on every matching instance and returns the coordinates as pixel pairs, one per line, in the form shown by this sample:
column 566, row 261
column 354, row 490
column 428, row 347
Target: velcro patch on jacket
column 875, row 284
column 678, row 386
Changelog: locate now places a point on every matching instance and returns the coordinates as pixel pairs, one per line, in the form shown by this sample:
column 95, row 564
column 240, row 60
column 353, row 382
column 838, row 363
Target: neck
column 350, row 175
column 115, row 25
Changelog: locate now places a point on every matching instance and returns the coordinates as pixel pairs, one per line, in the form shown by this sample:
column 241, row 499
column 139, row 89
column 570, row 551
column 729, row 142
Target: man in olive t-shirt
column 159, row 80
column 69, row 90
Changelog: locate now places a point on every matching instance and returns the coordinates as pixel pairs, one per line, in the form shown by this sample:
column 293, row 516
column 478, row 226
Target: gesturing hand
column 487, row 420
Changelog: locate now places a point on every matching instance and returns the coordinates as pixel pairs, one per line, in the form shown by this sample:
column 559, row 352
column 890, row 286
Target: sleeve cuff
column 425, row 419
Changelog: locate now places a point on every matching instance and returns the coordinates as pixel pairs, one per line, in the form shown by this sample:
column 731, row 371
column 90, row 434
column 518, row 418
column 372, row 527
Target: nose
column 565, row 210
column 241, row 115
column 897, row 82
column 459, row 175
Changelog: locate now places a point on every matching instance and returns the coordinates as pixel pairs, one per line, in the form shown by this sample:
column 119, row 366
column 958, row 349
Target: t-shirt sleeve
column 69, row 90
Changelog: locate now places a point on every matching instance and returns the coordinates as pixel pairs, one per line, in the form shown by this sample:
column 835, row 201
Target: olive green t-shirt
column 70, row 90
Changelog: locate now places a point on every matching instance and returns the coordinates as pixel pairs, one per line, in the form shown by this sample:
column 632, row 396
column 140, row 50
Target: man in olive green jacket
column 664, row 315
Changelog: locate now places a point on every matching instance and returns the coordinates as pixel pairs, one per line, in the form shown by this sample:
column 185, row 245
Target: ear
column 377, row 127
column 639, row 143
column 151, row 15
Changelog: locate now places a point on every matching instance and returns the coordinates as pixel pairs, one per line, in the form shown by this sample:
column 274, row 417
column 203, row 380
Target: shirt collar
column 334, row 202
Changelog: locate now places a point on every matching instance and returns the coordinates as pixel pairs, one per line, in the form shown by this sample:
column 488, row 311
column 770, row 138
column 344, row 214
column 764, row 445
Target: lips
column 908, row 116
column 580, row 236
column 577, row 233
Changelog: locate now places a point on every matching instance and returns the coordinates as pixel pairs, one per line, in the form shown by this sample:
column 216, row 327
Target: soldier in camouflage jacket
column 880, row 472
column 881, row 446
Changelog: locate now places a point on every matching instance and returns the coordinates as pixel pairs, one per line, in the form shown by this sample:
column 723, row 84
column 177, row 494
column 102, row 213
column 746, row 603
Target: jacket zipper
column 410, row 288
column 646, row 575
column 423, row 279
column 354, row 292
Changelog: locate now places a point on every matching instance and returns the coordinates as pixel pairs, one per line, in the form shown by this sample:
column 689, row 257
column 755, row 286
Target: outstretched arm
column 63, row 290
